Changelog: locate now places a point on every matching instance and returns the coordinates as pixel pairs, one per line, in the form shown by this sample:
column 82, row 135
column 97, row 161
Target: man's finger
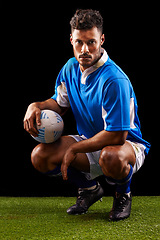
column 32, row 129
column 64, row 171
column 38, row 118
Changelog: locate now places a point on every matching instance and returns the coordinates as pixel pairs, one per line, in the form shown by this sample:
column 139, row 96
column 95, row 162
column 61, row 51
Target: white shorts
column 93, row 157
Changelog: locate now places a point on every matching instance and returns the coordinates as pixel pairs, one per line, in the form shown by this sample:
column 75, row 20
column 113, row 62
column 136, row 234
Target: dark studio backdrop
column 38, row 49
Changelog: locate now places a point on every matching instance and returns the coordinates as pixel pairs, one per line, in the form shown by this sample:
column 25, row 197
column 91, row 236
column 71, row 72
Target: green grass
column 46, row 218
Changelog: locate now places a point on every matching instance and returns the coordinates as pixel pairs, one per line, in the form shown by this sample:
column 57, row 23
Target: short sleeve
column 61, row 96
column 116, row 106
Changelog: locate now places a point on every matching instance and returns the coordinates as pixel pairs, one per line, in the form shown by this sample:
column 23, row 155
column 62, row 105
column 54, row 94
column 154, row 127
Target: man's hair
column 85, row 19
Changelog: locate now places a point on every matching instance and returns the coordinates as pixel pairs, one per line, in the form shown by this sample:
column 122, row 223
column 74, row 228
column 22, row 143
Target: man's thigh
column 54, row 153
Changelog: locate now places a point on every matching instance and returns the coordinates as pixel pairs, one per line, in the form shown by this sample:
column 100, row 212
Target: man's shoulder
column 113, row 71
column 72, row 62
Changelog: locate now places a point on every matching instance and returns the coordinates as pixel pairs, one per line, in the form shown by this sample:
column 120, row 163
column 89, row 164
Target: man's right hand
column 32, row 115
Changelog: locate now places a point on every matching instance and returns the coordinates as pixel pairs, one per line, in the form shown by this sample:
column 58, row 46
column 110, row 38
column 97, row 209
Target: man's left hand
column 69, row 157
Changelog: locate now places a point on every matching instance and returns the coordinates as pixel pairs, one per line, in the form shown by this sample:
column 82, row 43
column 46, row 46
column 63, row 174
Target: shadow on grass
column 91, row 216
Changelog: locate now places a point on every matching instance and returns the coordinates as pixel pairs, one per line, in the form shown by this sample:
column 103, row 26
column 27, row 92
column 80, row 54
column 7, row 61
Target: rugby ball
column 51, row 127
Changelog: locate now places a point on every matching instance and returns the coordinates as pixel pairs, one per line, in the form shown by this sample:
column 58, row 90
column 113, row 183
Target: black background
column 36, row 46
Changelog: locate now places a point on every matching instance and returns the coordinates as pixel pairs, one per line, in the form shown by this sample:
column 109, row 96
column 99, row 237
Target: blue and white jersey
column 101, row 98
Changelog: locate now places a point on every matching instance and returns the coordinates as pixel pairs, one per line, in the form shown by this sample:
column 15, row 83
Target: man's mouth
column 85, row 56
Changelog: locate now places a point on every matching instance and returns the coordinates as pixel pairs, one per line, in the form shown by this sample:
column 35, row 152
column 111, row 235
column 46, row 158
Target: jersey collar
column 93, row 68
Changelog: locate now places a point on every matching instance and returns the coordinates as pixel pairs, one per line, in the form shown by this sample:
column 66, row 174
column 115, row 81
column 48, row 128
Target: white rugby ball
column 51, row 127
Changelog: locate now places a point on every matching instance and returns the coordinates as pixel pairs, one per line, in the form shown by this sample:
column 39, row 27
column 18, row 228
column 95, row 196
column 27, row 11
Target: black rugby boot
column 85, row 199
column 121, row 206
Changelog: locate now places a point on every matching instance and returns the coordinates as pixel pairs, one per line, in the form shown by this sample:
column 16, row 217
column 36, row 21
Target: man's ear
column 102, row 39
column 71, row 39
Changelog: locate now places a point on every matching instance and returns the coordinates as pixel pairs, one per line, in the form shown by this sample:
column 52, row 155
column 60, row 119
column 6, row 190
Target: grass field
column 46, row 218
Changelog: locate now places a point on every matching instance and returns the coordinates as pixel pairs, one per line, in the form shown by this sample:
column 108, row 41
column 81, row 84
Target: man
column 105, row 108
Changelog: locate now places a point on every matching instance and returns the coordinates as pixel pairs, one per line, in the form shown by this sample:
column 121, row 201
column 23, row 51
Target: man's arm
column 97, row 142
column 34, row 111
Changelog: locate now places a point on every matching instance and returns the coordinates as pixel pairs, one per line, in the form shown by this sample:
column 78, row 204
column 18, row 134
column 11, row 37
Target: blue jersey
column 101, row 98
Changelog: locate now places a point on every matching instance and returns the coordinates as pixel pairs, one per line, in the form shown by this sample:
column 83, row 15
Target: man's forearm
column 50, row 104
column 99, row 141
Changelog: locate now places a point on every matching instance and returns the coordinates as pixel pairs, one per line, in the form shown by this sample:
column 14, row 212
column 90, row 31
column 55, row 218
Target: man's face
column 87, row 46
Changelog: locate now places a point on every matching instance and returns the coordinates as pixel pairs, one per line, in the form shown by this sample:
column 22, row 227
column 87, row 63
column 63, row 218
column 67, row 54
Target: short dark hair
column 85, row 19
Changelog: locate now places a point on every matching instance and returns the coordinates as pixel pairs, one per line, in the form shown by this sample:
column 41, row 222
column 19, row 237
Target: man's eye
column 79, row 42
column 92, row 42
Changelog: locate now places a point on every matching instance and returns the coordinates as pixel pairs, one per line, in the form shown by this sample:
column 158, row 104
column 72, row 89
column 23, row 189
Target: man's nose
column 85, row 48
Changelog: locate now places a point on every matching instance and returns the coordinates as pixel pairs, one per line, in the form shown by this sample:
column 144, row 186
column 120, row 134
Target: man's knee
column 39, row 158
column 112, row 161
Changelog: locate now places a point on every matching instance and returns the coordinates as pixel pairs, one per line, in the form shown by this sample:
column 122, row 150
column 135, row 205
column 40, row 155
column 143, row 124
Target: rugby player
column 104, row 105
